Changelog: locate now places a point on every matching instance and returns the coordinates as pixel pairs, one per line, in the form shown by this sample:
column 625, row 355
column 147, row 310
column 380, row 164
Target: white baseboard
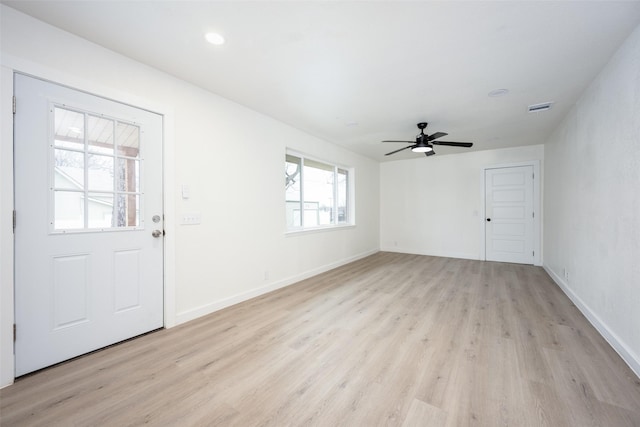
column 460, row 255
column 629, row 357
column 209, row 308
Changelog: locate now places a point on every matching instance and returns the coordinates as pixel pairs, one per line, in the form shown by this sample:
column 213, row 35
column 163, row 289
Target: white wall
column 592, row 202
column 434, row 206
column 232, row 161
column 231, row 157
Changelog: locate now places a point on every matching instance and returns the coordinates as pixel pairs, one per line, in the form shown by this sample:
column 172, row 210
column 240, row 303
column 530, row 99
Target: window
column 316, row 193
column 96, row 172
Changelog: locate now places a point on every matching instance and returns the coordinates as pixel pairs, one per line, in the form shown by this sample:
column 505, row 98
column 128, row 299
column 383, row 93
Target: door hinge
column 15, row 334
column 533, row 253
column 13, row 104
column 533, row 214
column 14, row 220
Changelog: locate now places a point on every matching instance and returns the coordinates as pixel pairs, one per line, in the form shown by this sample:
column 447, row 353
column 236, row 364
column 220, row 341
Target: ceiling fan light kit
column 424, row 143
column 422, row 149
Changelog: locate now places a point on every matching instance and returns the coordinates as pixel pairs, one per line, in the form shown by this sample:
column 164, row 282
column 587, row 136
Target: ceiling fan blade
column 429, row 153
column 410, row 142
column 454, row 144
column 437, row 135
column 393, row 152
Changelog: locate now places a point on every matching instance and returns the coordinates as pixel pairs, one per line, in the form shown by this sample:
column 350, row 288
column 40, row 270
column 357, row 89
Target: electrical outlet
column 191, row 218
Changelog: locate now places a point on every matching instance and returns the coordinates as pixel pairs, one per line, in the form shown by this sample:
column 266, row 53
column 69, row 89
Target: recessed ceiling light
column 214, row 38
column 498, row 92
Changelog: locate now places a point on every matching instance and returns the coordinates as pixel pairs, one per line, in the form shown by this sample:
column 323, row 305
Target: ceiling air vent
column 536, row 108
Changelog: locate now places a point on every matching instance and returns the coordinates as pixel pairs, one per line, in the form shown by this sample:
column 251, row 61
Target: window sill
column 319, row 229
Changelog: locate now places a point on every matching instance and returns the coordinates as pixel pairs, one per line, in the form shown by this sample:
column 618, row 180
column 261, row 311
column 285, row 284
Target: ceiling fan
column 424, row 143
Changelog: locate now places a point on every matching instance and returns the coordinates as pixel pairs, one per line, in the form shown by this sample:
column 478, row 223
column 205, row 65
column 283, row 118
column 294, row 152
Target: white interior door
column 88, row 196
column 509, row 216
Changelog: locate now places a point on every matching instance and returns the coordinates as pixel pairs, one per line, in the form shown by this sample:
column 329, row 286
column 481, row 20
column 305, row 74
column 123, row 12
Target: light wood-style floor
column 393, row 339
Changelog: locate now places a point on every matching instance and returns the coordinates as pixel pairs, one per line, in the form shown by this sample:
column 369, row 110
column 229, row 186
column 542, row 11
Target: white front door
column 509, row 216
column 88, row 196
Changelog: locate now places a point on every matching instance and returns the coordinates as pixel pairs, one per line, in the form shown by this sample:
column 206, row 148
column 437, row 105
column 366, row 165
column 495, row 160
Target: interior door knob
column 488, row 219
column 156, row 233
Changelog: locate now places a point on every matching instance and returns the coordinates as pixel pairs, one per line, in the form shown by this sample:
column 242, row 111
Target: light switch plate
column 186, row 193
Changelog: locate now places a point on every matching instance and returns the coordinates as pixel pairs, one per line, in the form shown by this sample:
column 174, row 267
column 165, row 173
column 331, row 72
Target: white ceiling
column 355, row 73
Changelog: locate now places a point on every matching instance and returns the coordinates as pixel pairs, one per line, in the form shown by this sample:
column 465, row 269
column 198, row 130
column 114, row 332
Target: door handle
column 156, row 233
column 488, row 219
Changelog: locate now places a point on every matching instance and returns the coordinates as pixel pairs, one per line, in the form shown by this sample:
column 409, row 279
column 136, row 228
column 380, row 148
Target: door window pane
column 68, row 129
column 69, row 210
column 128, row 172
column 100, row 131
column 128, row 138
column 128, row 210
column 100, row 207
column 69, row 169
column 100, row 171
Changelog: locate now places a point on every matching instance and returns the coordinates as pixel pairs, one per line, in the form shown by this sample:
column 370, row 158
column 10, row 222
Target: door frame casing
column 7, row 254
column 537, row 208
column 7, row 361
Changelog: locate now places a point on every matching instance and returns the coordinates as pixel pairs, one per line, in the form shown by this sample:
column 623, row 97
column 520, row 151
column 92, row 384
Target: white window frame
column 350, row 203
